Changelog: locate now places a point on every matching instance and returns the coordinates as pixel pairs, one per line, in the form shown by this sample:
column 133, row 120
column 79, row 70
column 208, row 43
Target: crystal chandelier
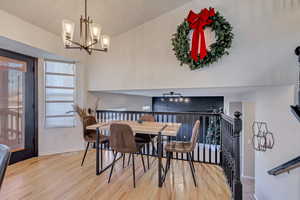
column 90, row 35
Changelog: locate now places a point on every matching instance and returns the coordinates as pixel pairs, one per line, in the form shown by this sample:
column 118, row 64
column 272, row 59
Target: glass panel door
column 17, row 105
column 12, row 90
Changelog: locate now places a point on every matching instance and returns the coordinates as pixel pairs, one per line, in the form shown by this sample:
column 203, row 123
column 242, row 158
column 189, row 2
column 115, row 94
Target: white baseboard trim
column 46, row 153
column 248, row 177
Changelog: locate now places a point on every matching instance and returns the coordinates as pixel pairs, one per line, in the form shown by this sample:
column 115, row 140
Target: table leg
column 101, row 155
column 159, row 149
column 97, row 152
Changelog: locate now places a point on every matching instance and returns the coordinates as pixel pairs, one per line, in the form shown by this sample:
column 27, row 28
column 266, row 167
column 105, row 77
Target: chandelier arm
column 89, row 51
column 104, row 49
column 68, row 47
column 91, row 44
column 76, row 43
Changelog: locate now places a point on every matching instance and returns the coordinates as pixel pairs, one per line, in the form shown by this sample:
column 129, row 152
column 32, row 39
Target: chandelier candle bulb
column 95, row 32
column 68, row 31
column 105, row 41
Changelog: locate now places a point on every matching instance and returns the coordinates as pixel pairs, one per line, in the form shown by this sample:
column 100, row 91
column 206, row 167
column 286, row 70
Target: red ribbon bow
column 197, row 23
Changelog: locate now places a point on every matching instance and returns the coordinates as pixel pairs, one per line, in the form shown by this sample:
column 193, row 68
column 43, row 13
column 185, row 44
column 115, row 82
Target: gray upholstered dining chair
column 122, row 141
column 90, row 136
column 183, row 147
column 4, row 160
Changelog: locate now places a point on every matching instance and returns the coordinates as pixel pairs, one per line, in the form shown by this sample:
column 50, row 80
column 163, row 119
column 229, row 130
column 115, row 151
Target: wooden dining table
column 149, row 128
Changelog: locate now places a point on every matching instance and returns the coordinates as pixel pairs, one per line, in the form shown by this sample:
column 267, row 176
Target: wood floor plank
column 60, row 177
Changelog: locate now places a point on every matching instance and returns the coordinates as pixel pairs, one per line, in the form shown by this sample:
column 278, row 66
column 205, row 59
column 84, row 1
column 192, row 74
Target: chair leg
column 148, row 162
column 170, row 159
column 133, row 170
column 123, row 159
column 101, row 152
column 148, row 154
column 112, row 167
column 192, row 169
column 193, row 165
column 187, row 156
column 142, row 157
column 129, row 157
column 86, row 149
column 153, row 148
column 167, row 165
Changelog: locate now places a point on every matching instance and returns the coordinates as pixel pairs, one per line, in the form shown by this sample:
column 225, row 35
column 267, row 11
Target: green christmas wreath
column 223, row 37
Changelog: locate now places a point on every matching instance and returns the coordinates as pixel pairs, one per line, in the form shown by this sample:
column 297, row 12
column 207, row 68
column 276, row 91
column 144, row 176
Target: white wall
column 247, row 108
column 58, row 140
column 248, row 153
column 262, row 51
column 272, row 106
column 108, row 101
column 40, row 43
column 235, row 106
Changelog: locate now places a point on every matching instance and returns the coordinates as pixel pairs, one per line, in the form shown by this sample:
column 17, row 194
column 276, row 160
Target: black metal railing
column 218, row 142
column 208, row 145
column 230, row 153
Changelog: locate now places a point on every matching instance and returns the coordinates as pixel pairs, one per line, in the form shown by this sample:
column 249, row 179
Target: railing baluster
column 209, row 149
column 193, row 120
column 216, row 142
column 204, row 138
column 97, row 116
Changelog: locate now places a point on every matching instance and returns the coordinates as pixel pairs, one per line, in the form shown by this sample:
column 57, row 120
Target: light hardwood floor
column 60, row 176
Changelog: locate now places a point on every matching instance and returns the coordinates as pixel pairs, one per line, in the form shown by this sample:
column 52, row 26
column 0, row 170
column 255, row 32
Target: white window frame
column 55, row 87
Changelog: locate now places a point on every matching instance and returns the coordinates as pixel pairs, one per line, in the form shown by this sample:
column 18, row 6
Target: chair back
column 122, row 138
column 147, row 118
column 87, row 121
column 195, row 134
column 4, row 160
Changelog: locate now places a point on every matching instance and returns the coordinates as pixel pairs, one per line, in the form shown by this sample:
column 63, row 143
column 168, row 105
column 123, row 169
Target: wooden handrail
column 285, row 167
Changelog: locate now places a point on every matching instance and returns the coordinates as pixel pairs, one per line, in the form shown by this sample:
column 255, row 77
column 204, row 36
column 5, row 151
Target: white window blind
column 60, row 90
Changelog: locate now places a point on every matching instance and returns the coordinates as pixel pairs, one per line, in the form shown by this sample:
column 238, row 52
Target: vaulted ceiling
column 115, row 16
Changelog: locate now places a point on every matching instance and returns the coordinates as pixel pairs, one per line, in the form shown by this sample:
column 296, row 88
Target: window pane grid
column 59, row 67
column 57, row 87
column 59, row 81
column 59, row 101
column 59, row 74
column 59, row 94
column 57, row 116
